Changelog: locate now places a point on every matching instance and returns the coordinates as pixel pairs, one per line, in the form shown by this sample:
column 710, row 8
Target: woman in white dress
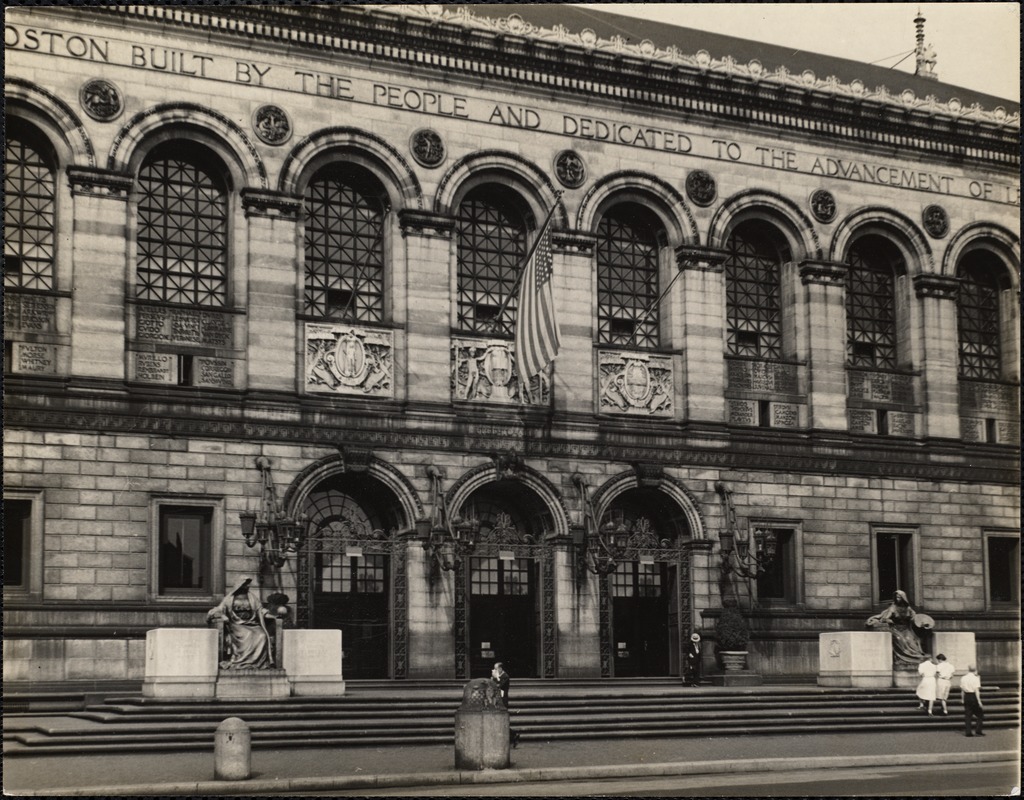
column 943, row 681
column 926, row 689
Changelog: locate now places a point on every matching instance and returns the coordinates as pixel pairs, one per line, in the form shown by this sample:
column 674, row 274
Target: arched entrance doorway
column 503, row 588
column 350, row 567
column 646, row 596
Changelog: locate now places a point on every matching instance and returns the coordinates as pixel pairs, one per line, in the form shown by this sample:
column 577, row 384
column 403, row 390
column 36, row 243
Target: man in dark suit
column 694, row 665
column 503, row 679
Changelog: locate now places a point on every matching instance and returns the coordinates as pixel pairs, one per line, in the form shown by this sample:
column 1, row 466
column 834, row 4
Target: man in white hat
column 694, row 664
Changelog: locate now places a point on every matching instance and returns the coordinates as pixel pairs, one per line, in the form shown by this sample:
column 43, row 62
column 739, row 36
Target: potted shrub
column 732, row 634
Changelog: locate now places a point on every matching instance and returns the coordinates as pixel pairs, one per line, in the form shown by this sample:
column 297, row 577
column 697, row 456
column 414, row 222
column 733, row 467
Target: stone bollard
column 481, row 728
column 232, row 750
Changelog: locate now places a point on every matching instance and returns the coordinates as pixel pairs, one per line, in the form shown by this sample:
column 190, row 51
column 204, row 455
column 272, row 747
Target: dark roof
column 689, row 40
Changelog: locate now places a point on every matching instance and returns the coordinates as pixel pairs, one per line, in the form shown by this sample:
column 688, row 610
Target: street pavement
column 295, row 770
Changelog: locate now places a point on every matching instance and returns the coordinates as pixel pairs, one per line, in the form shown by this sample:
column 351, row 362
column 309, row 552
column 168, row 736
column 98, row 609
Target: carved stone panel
column 30, row 313
column 38, row 359
column 156, row 367
column 972, row 430
column 742, row 412
column 183, row 326
column 863, row 420
column 881, row 387
column 343, row 359
column 484, row 371
column 994, row 398
column 902, row 424
column 785, row 415
column 635, row 383
column 217, row 373
column 763, row 376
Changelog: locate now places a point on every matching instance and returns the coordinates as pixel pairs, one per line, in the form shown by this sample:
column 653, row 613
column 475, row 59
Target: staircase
column 376, row 713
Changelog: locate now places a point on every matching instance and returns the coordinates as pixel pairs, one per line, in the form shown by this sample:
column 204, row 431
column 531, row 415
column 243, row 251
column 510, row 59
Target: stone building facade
column 268, row 255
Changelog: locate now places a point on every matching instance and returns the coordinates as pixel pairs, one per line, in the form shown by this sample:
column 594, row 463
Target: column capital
column 100, row 182
column 578, row 242
column 941, row 286
column 703, row 259
column 426, row 223
column 268, row 203
column 826, row 273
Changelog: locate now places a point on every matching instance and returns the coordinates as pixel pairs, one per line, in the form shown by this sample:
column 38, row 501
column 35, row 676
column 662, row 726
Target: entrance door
column 502, row 616
column 351, row 593
column 640, row 616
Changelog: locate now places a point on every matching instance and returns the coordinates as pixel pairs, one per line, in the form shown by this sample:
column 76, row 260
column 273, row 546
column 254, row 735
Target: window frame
column 217, row 536
column 914, row 592
column 970, row 267
column 1014, row 602
column 758, row 235
column 24, row 129
column 888, row 265
column 793, row 576
column 32, row 586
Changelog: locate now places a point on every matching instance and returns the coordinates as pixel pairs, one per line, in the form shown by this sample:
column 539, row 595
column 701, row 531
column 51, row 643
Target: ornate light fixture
column 599, row 548
column 270, row 527
column 738, row 557
column 450, row 540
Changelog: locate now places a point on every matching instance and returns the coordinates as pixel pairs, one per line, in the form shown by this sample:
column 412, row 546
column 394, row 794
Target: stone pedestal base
column 481, row 739
column 959, row 649
column 312, row 659
column 905, row 679
column 738, row 677
column 252, row 684
column 180, row 662
column 855, row 659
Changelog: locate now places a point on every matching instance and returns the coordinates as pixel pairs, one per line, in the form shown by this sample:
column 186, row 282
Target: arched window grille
column 978, row 324
column 491, row 247
column 871, row 305
column 182, row 236
column 29, row 209
column 752, row 291
column 344, row 245
column 627, row 276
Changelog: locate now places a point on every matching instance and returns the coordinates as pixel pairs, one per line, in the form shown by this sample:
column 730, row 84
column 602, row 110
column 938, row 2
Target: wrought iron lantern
column 450, row 540
column 276, row 533
column 745, row 556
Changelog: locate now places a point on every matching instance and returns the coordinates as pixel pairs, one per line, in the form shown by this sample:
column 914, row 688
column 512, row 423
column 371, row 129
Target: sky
column 977, row 44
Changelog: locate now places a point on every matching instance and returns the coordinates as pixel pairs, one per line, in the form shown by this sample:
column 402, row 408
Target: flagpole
column 525, row 261
column 652, row 306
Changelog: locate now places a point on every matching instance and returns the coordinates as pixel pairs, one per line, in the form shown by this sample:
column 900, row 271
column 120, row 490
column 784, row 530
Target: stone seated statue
column 904, row 624
column 241, row 619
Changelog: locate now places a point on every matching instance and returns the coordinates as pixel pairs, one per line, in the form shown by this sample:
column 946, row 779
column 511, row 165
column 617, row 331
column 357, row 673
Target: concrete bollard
column 481, row 727
column 232, row 750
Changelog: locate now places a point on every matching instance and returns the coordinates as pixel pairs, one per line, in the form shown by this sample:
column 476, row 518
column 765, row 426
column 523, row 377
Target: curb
column 464, row 777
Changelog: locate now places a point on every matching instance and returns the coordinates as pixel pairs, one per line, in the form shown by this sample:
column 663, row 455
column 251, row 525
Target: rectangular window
column 636, row 579
column 185, row 550
column 894, row 564
column 17, row 542
column 777, row 582
column 1003, row 556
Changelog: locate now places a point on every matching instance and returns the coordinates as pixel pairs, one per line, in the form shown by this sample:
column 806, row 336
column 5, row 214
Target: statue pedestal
column 181, row 662
column 860, row 659
column 959, row 649
column 312, row 660
column 252, row 684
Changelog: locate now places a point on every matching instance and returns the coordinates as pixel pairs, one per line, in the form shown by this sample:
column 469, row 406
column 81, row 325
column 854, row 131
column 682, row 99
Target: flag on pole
column 537, row 334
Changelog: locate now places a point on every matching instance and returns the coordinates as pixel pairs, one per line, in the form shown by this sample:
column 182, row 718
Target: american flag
column 537, row 335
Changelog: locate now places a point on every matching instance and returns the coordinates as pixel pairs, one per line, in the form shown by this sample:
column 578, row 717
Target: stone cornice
column 100, row 182
column 268, row 203
column 703, row 259
column 426, row 223
column 581, row 242
column 940, row 286
column 825, row 273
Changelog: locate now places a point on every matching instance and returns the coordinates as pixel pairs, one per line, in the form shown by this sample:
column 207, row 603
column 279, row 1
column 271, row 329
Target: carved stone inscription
column 156, row 367
column 763, row 376
column 484, row 371
column 635, row 383
column 785, row 415
column 992, row 397
column 1007, row 432
column 30, row 313
column 215, row 372
column 40, row 359
column 342, row 359
column 863, row 420
column 183, row 326
column 742, row 412
column 881, row 387
column 902, row 424
column 972, row 430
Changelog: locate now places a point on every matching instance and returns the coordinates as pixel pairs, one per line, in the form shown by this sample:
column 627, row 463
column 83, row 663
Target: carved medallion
column 701, row 188
column 570, row 169
column 823, row 205
column 635, row 384
column 936, row 221
column 271, row 124
column 349, row 360
column 101, row 99
column 483, row 371
column 427, row 147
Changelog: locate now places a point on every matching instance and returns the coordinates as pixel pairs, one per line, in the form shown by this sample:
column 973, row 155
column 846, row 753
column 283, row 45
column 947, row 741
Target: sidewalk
column 291, row 770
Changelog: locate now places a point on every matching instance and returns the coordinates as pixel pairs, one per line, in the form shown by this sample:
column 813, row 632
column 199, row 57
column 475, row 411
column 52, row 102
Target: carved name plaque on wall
column 635, row 383
column 742, row 412
column 30, row 313
column 972, row 430
column 218, row 373
column 156, row 367
column 1007, row 432
column 40, row 359
column 183, row 326
column 484, row 371
column 993, row 397
column 881, row 387
column 902, row 424
column 863, row 420
column 762, row 376
column 785, row 415
column 342, row 359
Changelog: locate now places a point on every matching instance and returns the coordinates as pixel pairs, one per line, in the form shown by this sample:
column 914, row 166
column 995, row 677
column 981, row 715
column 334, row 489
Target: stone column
column 573, row 385
column 273, row 280
column 702, row 301
column 936, row 296
column 429, row 302
column 100, row 255
column 821, row 338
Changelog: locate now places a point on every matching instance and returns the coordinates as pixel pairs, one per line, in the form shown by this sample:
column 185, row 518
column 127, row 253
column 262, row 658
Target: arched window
column 491, row 231
column 182, row 227
column 871, row 304
column 752, row 279
column 978, row 323
column 627, row 276
column 345, row 208
column 29, row 208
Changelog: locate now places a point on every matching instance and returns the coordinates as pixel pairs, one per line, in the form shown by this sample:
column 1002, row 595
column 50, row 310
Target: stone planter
column 733, row 660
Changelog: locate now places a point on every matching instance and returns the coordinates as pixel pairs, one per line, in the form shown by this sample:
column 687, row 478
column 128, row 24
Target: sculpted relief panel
column 343, row 359
column 635, row 383
column 484, row 371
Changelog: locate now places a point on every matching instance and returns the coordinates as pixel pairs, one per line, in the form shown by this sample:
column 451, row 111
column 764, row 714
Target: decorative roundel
column 427, row 147
column 271, row 124
column 570, row 169
column 701, row 188
column 101, row 99
column 823, row 205
column 936, row 221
